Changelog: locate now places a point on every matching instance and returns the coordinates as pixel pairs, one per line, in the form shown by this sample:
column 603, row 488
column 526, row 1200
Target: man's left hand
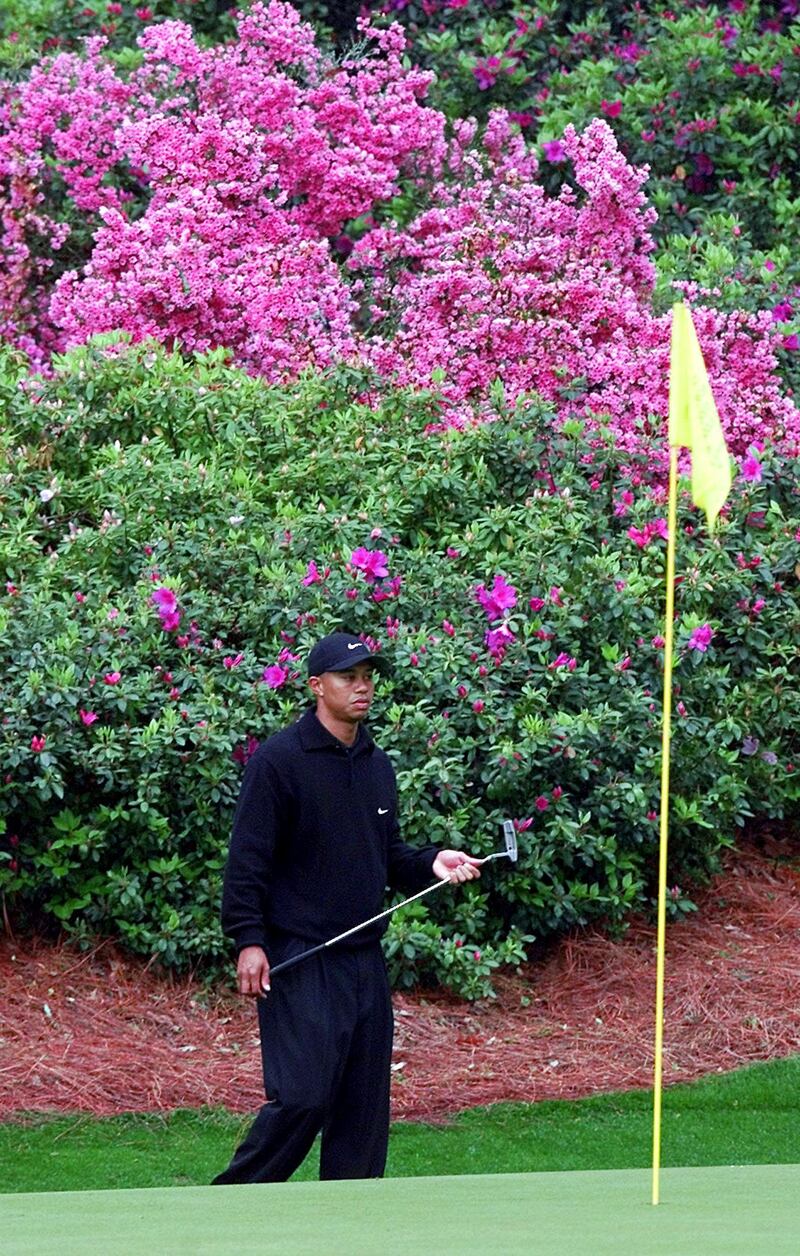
column 456, row 866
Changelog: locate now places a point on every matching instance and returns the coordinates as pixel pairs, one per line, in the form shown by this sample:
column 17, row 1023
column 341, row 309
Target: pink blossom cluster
column 496, row 280
column 166, row 602
column 241, row 195
column 251, row 157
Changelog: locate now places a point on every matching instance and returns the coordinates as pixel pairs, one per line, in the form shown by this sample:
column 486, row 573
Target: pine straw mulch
column 99, row 1033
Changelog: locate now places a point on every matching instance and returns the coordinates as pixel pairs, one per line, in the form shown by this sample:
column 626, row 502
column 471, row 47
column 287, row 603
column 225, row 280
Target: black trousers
column 326, row 1048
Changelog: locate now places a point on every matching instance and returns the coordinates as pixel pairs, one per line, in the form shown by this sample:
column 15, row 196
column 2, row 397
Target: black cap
column 340, row 650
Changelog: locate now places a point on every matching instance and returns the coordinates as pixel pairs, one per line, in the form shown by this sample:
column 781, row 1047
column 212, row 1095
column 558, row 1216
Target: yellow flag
column 693, row 418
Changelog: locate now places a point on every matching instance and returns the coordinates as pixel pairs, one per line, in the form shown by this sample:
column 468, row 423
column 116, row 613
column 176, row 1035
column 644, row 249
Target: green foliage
column 133, row 469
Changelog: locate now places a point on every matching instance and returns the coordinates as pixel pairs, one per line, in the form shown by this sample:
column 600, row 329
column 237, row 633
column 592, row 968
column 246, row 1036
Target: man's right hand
column 252, row 971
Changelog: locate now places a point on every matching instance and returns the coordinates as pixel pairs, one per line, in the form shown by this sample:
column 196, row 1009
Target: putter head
column 510, row 839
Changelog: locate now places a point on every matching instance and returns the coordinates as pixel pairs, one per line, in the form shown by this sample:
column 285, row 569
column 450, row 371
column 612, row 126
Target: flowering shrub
column 175, row 535
column 302, row 212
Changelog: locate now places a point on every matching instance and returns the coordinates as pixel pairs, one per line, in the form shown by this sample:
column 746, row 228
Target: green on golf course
column 556, row 1177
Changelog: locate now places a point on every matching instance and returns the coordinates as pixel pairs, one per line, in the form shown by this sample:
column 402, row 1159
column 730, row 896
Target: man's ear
column 315, row 685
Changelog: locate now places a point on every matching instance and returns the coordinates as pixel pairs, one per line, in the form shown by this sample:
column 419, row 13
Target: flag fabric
column 693, row 418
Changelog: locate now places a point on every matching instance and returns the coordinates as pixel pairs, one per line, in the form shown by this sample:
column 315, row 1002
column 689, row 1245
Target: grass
column 750, row 1116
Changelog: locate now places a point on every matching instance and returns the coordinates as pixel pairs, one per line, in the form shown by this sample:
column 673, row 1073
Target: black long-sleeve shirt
column 316, row 840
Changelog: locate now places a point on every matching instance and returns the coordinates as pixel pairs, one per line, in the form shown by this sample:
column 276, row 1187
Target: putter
column 510, row 852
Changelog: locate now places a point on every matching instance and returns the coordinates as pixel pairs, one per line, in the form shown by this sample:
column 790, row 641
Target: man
column 315, row 842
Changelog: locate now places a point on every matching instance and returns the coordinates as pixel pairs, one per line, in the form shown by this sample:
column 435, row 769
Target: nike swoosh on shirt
column 383, row 811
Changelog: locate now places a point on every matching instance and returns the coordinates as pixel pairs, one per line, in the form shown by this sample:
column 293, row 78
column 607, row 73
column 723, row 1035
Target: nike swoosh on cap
column 383, row 811
column 357, row 646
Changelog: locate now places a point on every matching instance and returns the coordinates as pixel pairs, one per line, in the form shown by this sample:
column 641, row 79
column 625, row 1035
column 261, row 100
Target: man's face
column 345, row 695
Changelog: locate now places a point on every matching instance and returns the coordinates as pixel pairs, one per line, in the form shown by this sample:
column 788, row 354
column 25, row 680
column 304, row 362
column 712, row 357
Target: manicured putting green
column 737, row 1211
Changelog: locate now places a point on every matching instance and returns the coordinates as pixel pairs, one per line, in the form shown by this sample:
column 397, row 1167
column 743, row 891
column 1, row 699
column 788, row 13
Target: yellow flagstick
column 694, row 423
column 666, row 734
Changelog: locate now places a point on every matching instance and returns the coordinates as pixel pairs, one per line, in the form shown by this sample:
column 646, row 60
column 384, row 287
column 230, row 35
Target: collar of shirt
column 314, row 736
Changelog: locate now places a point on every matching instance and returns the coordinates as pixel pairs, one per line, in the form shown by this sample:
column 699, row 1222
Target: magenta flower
column 701, row 638
column 536, row 603
column 448, row 628
column 246, row 751
column 522, row 825
column 498, row 640
column 541, row 803
column 563, row 660
column 478, row 706
column 275, row 676
column 372, row 563
column 555, row 596
column 500, row 598
column 314, row 575
column 232, row 662
column 750, row 469
column 38, row 744
column 611, row 108
column 554, row 151
column 88, row 717
column 165, row 600
column 112, row 678
column 167, row 604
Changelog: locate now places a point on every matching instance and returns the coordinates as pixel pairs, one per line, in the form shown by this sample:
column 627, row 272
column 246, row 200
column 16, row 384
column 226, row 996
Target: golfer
column 315, row 843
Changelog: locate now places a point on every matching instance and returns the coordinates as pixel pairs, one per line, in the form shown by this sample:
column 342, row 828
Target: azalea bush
column 305, row 211
column 177, row 532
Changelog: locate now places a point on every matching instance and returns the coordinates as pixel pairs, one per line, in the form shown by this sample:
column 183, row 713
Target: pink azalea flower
column 536, row 603
column 564, row 660
column 499, row 639
column 112, row 678
column 244, row 752
column 554, row 151
column 701, row 638
column 448, row 628
column 38, row 744
column 555, row 596
column 501, row 597
column 478, row 706
column 371, row 562
column 522, row 825
column 750, row 469
column 165, row 600
column 611, row 108
column 232, row 662
column 541, row 803
column 80, row 597
column 275, row 676
column 314, row 575
column 170, row 621
column 88, row 717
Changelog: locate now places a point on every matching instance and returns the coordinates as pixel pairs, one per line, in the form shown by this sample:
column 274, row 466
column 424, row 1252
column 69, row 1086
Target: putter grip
column 290, row 963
